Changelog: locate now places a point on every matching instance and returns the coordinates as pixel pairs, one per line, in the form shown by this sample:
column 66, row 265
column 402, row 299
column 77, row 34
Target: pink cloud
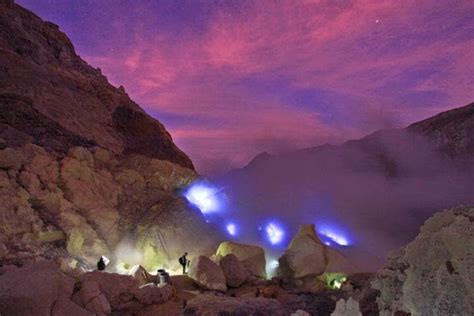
column 354, row 49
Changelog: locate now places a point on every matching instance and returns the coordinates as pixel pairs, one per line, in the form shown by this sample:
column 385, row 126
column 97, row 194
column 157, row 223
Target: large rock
column 141, row 275
column 222, row 305
column 118, row 289
column 252, row 257
column 33, row 289
column 234, row 271
column 433, row 274
column 91, row 298
column 65, row 306
column 207, row 273
column 306, row 256
column 151, row 294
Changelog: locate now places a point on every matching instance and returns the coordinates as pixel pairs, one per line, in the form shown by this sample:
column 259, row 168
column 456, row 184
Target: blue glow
column 331, row 236
column 275, row 233
column 231, row 229
column 204, row 196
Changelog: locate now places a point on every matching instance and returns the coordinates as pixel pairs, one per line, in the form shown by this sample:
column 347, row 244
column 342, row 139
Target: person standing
column 183, row 261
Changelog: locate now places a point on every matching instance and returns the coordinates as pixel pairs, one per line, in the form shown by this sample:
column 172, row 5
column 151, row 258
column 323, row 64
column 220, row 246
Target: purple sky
column 230, row 79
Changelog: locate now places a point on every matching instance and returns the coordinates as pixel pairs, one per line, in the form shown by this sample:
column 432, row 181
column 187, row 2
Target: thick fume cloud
column 376, row 191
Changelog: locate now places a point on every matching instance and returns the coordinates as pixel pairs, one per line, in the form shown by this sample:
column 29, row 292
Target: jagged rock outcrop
column 252, row 257
column 49, row 96
column 207, row 273
column 433, row 274
column 84, row 204
column 450, row 131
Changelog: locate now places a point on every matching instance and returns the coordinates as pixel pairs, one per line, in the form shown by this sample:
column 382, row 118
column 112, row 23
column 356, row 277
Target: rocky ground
column 430, row 276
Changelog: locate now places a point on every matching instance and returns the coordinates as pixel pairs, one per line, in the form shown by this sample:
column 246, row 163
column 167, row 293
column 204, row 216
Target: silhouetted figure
column 183, row 261
column 101, row 264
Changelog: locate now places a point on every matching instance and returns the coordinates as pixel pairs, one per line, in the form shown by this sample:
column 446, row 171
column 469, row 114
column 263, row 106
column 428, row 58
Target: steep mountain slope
column 84, row 171
column 375, row 191
column 51, row 97
column 451, row 131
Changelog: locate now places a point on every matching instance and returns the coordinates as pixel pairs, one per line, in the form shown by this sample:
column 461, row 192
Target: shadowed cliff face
column 377, row 191
column 84, row 171
column 51, row 97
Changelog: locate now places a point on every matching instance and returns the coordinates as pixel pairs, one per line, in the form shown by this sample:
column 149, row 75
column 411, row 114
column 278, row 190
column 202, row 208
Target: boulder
column 117, row 288
column 151, row 294
column 90, row 297
column 141, row 275
column 347, row 308
column 33, row 289
column 234, row 271
column 223, row 305
column 65, row 306
column 99, row 305
column 252, row 257
column 432, row 275
column 306, row 256
column 207, row 273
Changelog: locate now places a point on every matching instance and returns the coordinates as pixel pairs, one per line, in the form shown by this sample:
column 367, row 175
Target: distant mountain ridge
column 451, row 132
column 50, row 96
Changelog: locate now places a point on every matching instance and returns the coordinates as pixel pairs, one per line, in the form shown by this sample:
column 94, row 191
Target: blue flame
column 204, row 196
column 232, row 229
column 275, row 233
column 331, row 235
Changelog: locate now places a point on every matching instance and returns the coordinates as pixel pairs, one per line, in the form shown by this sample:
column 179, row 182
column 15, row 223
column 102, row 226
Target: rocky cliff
column 84, row 171
column 432, row 275
column 49, row 96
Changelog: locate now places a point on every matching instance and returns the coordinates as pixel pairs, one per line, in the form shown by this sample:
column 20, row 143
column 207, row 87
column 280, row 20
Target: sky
column 232, row 79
